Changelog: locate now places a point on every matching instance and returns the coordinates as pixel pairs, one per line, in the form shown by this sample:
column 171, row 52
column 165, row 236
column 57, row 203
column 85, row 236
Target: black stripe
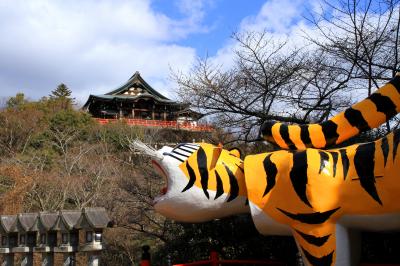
column 271, row 171
column 169, row 154
column 364, row 162
column 314, row 240
column 324, row 157
column 192, row 177
column 310, row 218
column 240, row 168
column 385, row 149
column 298, row 175
column 266, row 131
column 396, row 140
column 335, row 156
column 284, row 131
column 356, row 119
column 329, row 128
column 396, row 83
column 247, row 202
column 384, row 105
column 203, row 170
column 188, row 151
column 322, row 261
column 345, row 162
column 234, row 191
column 305, row 136
column 180, row 154
column 220, row 188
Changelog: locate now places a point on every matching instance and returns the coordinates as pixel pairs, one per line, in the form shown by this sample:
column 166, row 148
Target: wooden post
column 214, row 258
column 145, row 256
column 169, row 261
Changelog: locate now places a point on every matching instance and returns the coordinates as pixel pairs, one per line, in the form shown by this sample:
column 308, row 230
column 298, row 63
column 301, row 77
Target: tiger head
column 204, row 182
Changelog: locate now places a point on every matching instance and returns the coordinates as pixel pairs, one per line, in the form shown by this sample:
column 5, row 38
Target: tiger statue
column 318, row 196
column 373, row 111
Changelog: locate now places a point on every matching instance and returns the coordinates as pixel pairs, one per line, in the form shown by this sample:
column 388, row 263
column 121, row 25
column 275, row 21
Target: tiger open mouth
column 162, row 173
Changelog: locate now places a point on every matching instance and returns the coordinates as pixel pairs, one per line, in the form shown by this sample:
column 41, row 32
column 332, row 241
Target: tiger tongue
column 164, row 191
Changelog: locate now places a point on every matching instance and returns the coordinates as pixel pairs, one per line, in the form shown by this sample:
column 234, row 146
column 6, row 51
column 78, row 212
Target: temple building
column 139, row 104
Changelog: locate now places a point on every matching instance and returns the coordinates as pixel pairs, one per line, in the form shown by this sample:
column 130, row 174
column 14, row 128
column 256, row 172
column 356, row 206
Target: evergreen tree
column 17, row 101
column 62, row 96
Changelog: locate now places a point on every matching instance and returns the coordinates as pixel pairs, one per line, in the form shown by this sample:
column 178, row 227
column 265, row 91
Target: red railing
column 215, row 261
column 192, row 126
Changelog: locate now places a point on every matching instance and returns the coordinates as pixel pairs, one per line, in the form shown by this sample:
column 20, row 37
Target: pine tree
column 62, row 96
column 16, row 102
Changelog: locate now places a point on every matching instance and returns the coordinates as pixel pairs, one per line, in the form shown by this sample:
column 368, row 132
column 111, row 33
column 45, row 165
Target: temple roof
column 27, row 220
column 96, row 218
column 7, row 222
column 135, row 88
column 137, row 81
column 48, row 219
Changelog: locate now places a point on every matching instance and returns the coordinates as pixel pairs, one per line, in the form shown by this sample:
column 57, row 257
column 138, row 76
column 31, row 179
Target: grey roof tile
column 8, row 222
column 97, row 217
column 71, row 217
column 27, row 220
column 48, row 219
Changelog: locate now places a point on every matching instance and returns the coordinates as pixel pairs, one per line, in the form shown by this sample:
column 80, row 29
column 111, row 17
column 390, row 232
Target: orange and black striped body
column 314, row 192
column 314, row 195
column 369, row 113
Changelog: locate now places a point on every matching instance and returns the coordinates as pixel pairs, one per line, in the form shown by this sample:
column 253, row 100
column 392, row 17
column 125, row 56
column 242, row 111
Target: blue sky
column 222, row 17
column 94, row 46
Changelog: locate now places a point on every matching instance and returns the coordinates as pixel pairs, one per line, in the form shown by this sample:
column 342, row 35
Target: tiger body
column 314, row 195
column 369, row 113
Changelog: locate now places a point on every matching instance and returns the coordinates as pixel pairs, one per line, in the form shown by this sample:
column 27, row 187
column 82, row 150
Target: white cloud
column 276, row 16
column 282, row 19
column 92, row 46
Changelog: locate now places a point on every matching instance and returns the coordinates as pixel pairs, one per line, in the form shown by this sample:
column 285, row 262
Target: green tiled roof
column 135, row 81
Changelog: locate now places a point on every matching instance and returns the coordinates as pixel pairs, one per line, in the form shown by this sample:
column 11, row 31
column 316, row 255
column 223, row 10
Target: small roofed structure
column 140, row 104
column 53, row 232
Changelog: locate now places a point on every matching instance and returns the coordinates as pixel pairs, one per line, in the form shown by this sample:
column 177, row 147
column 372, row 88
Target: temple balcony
column 189, row 126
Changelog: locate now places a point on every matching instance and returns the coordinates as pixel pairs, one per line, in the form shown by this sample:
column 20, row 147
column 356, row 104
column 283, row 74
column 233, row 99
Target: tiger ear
column 235, row 152
column 215, row 155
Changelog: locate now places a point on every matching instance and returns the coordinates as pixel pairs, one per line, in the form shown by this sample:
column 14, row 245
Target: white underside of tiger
column 383, row 222
column 267, row 225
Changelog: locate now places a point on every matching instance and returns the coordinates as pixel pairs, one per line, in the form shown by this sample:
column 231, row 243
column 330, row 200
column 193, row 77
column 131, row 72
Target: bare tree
column 354, row 47
column 363, row 35
column 270, row 80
